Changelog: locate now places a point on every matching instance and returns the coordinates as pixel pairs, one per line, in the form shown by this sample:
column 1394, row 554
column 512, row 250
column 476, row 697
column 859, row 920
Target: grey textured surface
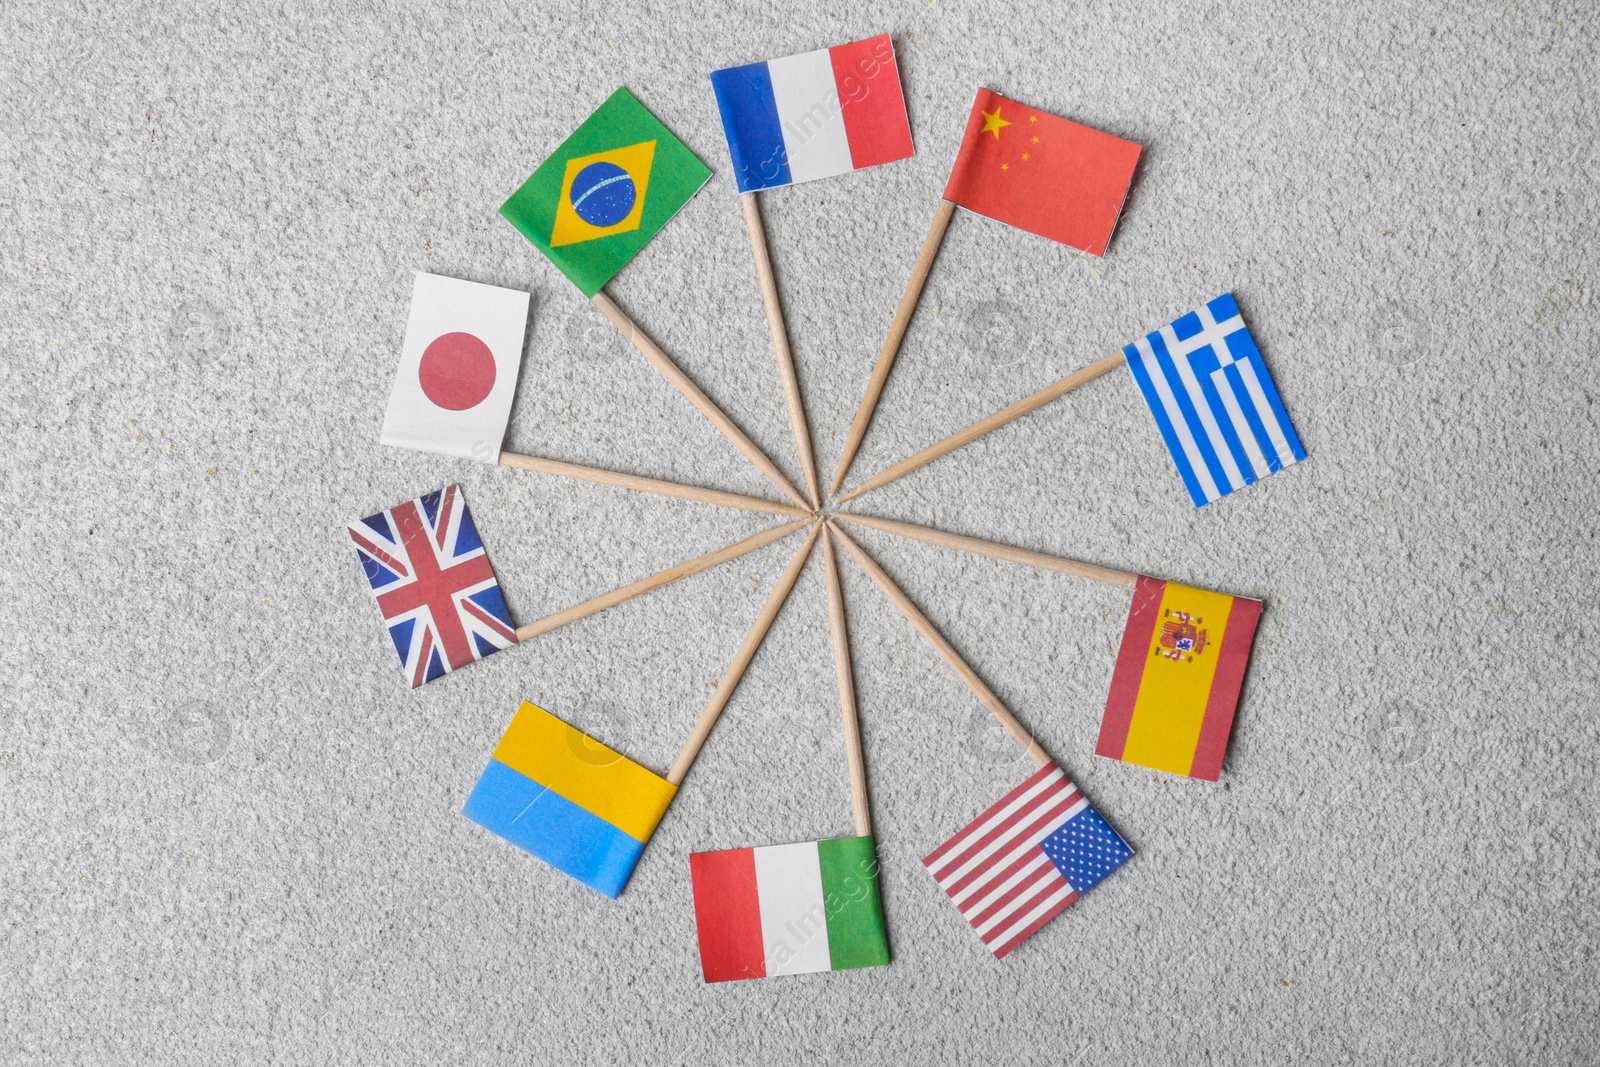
column 229, row 833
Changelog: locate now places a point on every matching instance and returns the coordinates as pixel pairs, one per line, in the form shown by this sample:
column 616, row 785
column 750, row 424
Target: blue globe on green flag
column 603, row 194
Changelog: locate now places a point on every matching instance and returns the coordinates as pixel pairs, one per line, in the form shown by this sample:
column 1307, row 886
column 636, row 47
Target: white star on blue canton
column 1085, row 849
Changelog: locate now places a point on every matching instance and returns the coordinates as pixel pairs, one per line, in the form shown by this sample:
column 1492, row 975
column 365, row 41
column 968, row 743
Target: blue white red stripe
column 1213, row 400
column 430, row 575
column 1020, row 863
column 813, row 115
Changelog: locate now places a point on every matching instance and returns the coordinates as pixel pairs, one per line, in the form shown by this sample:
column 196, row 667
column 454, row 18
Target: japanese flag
column 458, row 368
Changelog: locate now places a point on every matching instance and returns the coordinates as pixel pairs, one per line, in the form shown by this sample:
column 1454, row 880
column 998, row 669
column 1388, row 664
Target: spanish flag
column 1177, row 680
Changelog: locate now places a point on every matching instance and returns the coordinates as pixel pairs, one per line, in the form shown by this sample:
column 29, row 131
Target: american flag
column 431, row 578
column 1016, row 866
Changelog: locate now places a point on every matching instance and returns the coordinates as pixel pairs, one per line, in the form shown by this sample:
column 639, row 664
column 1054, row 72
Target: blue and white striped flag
column 1214, row 401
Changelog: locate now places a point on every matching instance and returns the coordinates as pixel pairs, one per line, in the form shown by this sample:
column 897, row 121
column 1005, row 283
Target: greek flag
column 1214, row 401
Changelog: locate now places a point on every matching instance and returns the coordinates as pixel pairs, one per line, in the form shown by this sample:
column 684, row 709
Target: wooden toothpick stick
column 891, row 345
column 847, row 687
column 647, row 485
column 1008, row 722
column 780, row 343
column 685, row 385
column 983, row 426
column 656, row 581
column 741, row 660
column 995, row 551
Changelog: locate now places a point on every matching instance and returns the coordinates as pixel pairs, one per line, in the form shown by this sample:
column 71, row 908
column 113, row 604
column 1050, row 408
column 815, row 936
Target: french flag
column 813, row 115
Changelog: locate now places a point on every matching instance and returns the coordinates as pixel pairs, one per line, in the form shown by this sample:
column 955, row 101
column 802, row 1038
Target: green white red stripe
column 788, row 909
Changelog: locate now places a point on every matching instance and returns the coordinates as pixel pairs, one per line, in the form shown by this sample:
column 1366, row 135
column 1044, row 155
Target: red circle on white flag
column 457, row 371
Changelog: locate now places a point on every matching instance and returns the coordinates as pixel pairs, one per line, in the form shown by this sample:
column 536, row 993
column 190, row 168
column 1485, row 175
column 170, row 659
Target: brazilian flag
column 605, row 192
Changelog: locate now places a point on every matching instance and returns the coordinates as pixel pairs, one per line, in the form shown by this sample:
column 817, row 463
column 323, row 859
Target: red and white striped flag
column 1019, row 864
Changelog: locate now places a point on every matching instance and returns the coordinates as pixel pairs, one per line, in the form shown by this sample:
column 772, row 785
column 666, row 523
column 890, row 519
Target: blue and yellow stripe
column 559, row 794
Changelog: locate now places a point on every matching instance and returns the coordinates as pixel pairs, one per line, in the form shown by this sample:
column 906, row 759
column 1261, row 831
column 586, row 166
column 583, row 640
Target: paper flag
column 813, row 115
column 559, row 794
column 1041, row 173
column 1213, row 400
column 1177, row 679
column 458, row 368
column 605, row 192
column 431, row 577
column 1016, row 866
column 788, row 909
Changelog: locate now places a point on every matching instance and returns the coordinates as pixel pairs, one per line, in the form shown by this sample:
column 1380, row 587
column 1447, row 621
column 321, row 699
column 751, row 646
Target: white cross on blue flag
column 1214, row 401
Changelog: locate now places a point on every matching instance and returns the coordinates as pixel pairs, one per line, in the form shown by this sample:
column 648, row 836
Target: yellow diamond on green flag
column 610, row 185
column 605, row 192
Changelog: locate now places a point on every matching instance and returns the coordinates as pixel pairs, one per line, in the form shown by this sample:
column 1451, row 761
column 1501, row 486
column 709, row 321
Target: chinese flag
column 1041, row 173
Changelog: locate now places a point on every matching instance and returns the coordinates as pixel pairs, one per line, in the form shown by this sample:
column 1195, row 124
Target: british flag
column 431, row 578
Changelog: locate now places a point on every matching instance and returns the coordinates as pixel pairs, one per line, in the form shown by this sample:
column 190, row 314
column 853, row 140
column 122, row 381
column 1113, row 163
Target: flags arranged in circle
column 589, row 811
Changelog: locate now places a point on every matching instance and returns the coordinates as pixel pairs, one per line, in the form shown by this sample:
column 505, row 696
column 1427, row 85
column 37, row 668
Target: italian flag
column 788, row 909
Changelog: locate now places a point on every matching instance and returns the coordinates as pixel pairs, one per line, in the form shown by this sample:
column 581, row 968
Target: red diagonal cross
column 433, row 586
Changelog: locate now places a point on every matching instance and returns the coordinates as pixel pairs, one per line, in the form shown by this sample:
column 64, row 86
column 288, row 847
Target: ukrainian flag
column 605, row 192
column 559, row 794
